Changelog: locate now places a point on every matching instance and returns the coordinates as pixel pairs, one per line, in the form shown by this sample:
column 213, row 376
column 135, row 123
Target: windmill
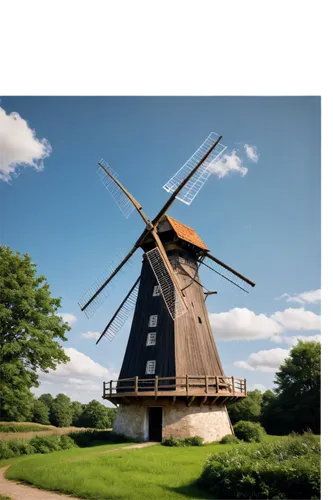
column 171, row 380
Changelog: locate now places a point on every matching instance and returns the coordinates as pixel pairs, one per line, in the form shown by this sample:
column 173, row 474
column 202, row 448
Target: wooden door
column 155, row 423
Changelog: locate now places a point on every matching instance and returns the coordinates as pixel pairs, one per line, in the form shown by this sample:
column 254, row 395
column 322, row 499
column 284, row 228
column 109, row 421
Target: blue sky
column 265, row 224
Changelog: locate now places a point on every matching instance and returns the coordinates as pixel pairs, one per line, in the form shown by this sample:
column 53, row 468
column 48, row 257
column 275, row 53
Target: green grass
column 154, row 472
column 59, row 456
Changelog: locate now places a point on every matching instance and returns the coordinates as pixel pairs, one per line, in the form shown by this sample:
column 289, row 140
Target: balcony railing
column 188, row 385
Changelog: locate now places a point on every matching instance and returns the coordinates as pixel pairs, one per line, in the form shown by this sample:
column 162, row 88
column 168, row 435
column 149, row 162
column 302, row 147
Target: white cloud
column 311, row 297
column 81, row 378
column 91, row 335
column 228, row 164
column 68, row 318
column 243, row 324
column 306, row 338
column 297, row 319
column 251, row 152
column 264, row 361
column 19, row 146
column 80, row 364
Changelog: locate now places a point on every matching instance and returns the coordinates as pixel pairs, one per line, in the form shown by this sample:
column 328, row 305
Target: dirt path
column 18, row 491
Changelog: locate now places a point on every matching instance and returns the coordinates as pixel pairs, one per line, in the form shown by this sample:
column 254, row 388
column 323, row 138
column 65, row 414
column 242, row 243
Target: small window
column 150, row 367
column 151, row 338
column 152, row 320
column 199, row 319
column 156, row 291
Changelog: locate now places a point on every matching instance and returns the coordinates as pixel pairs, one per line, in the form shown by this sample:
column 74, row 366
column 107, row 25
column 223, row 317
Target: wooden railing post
column 136, row 385
column 156, row 386
column 245, row 386
column 186, row 385
column 233, row 385
column 217, row 383
column 103, row 389
column 206, row 384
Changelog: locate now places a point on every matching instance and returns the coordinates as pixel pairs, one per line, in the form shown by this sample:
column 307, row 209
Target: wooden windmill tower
column 171, row 380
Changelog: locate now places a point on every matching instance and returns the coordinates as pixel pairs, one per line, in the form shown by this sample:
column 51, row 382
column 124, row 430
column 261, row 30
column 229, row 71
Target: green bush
column 48, row 444
column 66, row 442
column 5, row 451
column 23, row 428
column 249, row 431
column 84, row 439
column 229, row 439
column 188, row 441
column 289, row 468
column 45, row 444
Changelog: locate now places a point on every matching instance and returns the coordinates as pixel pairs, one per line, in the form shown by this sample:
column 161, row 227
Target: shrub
column 229, row 439
column 66, row 442
column 23, row 428
column 92, row 437
column 45, row 444
column 249, row 431
column 188, row 441
column 5, row 451
column 288, row 468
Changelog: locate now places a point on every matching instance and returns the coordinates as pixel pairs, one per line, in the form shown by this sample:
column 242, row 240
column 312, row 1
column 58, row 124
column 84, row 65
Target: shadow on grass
column 191, row 490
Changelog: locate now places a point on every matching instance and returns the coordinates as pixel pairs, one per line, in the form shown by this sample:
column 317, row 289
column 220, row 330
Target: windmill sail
column 122, row 314
column 196, row 182
column 170, row 294
column 99, row 290
column 123, row 202
column 227, row 272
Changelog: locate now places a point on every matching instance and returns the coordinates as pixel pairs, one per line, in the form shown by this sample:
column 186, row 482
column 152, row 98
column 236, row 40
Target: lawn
column 154, row 472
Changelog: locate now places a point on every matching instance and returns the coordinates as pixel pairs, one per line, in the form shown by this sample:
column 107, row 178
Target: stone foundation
column 209, row 422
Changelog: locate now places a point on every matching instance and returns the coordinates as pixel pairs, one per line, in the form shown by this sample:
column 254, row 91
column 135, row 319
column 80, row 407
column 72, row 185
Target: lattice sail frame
column 122, row 315
column 100, row 298
column 169, row 292
column 193, row 186
column 123, row 202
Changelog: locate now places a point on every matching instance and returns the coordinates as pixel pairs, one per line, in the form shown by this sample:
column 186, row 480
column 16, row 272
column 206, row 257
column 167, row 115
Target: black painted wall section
column 137, row 353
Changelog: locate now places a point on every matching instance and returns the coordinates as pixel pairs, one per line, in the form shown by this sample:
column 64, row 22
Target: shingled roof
column 186, row 233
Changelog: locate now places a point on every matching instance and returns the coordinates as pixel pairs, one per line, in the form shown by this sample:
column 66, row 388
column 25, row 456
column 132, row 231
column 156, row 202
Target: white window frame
column 153, row 318
column 151, row 339
column 151, row 367
column 156, row 291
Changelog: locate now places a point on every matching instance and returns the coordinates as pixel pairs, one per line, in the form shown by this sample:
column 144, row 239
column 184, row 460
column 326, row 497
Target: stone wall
column 211, row 423
column 131, row 421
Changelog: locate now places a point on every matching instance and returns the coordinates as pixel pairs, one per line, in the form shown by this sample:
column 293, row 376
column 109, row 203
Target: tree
column 61, row 413
column 112, row 413
column 95, row 415
column 29, row 329
column 296, row 406
column 77, row 411
column 47, row 399
column 248, row 408
column 40, row 412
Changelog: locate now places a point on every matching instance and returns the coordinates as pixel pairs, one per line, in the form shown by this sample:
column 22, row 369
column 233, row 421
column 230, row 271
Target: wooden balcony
column 211, row 389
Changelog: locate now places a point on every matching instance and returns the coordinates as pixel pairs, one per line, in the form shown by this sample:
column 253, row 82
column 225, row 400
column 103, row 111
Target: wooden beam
column 203, row 401
column 156, row 387
column 191, row 401
column 214, row 400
